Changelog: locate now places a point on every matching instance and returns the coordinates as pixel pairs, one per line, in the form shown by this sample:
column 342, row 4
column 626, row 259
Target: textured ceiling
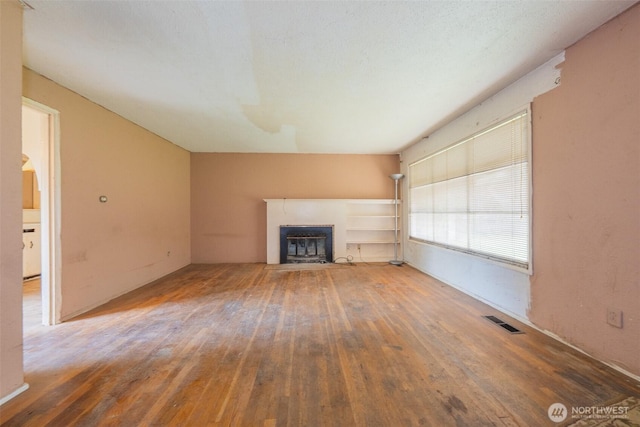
column 298, row 76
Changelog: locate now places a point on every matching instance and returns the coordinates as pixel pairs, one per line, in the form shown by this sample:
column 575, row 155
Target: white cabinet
column 371, row 229
column 31, row 258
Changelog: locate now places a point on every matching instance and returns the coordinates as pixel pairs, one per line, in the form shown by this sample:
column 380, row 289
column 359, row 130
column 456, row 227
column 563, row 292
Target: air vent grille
column 504, row 325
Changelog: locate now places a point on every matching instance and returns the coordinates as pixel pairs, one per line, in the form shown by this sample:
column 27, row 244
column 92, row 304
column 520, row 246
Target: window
column 474, row 195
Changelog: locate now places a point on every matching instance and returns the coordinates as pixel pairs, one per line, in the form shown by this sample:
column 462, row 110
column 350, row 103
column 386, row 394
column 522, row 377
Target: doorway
column 31, row 248
column 41, row 144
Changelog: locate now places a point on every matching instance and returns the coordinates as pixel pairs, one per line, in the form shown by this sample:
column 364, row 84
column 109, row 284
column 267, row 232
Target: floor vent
column 504, row 325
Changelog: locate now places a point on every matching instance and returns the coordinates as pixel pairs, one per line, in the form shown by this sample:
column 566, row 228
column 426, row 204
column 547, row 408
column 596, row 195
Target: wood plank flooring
column 247, row 345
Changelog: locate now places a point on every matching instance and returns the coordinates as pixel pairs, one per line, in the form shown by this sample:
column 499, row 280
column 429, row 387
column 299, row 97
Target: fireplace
column 306, row 244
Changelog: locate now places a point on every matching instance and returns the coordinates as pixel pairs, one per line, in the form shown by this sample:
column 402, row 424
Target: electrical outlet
column 614, row 317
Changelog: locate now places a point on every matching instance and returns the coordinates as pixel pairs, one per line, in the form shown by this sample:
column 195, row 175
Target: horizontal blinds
column 501, row 145
column 474, row 195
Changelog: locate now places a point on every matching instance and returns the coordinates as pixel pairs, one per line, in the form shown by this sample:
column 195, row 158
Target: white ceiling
column 298, row 76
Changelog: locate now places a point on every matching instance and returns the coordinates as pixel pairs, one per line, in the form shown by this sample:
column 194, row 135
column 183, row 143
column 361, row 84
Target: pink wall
column 11, row 370
column 228, row 214
column 142, row 232
column 586, row 203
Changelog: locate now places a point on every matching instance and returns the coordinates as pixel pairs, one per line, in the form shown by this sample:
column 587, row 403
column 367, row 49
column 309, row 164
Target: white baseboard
column 16, row 392
column 557, row 338
column 529, row 323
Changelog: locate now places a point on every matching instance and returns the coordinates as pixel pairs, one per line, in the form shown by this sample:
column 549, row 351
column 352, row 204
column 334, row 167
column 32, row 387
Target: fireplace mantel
column 375, row 232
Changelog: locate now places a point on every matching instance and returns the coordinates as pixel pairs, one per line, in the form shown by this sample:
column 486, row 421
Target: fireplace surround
column 306, row 244
column 362, row 228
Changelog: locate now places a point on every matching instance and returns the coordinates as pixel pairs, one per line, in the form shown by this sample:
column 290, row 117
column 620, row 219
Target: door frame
column 50, row 217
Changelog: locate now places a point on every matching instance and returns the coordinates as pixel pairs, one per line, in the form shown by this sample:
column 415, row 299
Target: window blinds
column 474, row 195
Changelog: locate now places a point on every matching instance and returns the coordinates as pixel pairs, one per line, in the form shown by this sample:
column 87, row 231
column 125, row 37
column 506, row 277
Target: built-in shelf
column 371, row 229
column 364, row 229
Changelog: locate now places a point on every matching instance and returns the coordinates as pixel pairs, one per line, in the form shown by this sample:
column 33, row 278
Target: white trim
column 559, row 339
column 476, row 297
column 503, row 285
column 523, row 111
column 86, row 309
column 530, row 324
column 50, row 217
column 489, row 259
column 13, row 394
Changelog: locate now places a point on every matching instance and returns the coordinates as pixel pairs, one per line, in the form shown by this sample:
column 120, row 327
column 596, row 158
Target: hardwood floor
column 253, row 345
column 32, row 306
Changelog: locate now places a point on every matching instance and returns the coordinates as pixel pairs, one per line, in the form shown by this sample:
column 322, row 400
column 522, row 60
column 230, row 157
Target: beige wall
column 586, row 203
column 142, row 232
column 228, row 214
column 11, row 370
column 168, row 207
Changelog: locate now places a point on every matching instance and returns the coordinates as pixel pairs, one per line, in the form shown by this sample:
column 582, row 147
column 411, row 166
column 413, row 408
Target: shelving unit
column 370, row 229
column 363, row 229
